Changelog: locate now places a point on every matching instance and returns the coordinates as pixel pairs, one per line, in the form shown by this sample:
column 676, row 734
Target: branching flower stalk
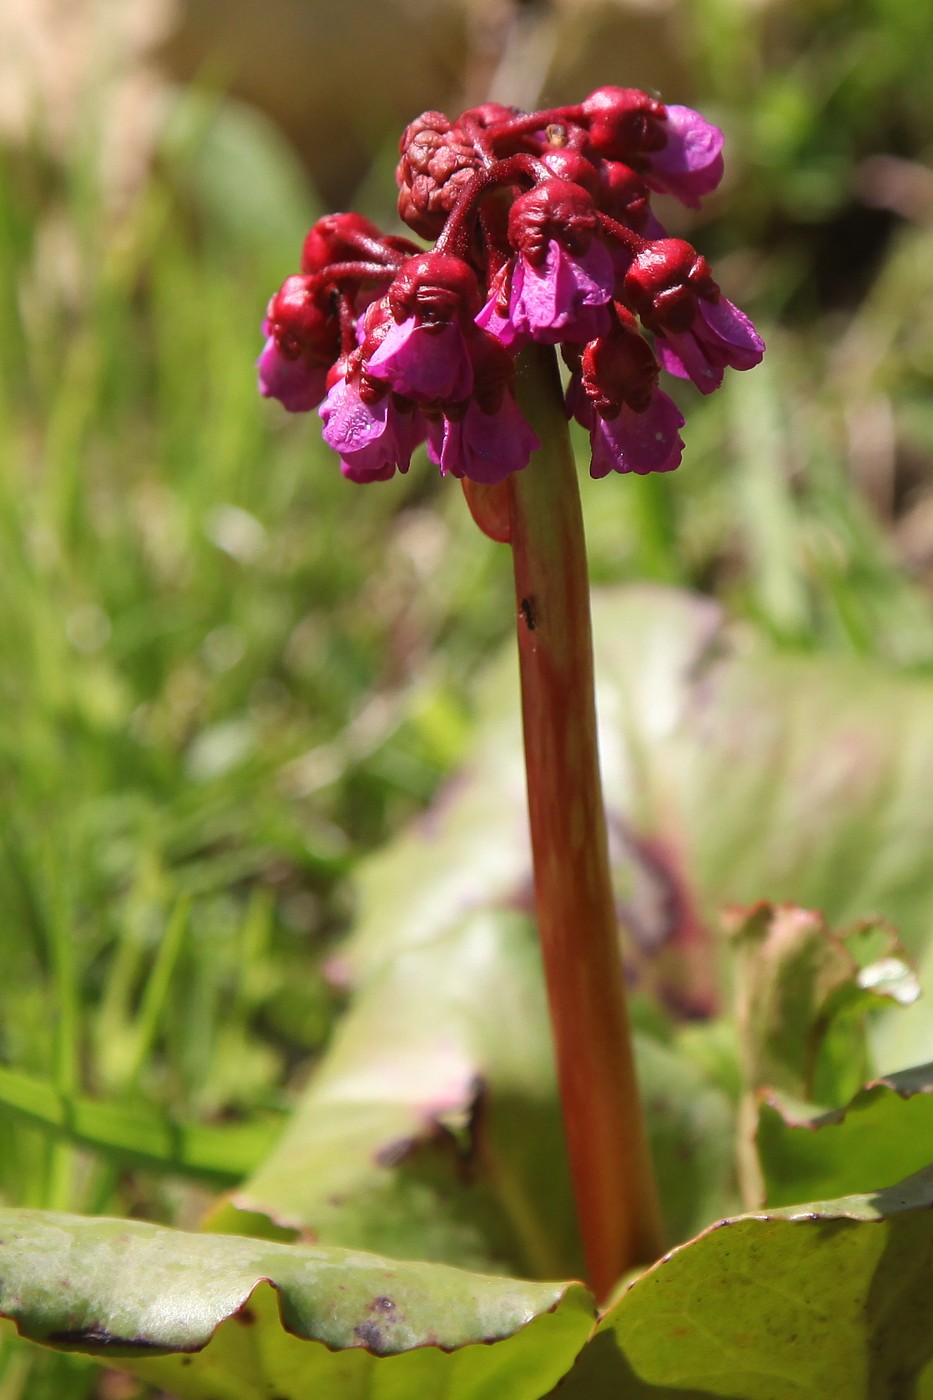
column 544, row 237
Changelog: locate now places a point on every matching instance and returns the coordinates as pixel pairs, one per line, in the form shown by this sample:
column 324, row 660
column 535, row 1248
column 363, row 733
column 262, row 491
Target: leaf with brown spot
column 337, row 1324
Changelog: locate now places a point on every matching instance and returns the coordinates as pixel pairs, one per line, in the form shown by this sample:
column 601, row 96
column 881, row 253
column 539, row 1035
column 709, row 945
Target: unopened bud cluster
column 543, row 232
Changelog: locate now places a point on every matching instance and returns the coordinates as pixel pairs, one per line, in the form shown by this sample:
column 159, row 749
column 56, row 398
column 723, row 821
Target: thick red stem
column 607, row 1142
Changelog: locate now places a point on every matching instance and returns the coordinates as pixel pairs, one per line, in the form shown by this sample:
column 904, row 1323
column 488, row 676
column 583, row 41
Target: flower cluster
column 543, row 232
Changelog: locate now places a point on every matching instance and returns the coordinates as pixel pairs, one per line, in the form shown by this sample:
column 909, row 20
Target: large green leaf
column 218, row 1318
column 433, row 1128
column 832, row 1298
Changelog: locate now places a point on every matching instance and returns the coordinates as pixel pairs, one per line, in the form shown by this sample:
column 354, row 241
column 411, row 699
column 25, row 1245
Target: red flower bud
column 332, row 239
column 567, row 164
column 624, row 122
column 437, row 160
column 664, row 281
column 303, row 320
column 619, row 368
column 555, row 209
column 435, row 288
column 623, row 194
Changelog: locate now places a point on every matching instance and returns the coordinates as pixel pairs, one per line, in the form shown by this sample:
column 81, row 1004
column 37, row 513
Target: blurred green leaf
column 883, row 1135
column 795, row 981
column 431, row 1127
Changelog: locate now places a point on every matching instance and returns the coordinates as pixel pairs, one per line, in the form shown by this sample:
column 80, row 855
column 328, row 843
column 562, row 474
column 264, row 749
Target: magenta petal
column 372, row 439
column 721, row 337
column 669, row 359
column 297, row 385
column 349, row 423
column 486, row 447
column 639, row 442
column 491, row 319
column 692, row 142
column 594, row 274
column 704, row 368
column 690, row 165
column 742, row 346
column 427, row 363
column 566, row 297
column 589, row 323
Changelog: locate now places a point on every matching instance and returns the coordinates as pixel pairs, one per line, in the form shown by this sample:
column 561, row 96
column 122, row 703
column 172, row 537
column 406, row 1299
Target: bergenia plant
column 421, row 1132
column 543, row 236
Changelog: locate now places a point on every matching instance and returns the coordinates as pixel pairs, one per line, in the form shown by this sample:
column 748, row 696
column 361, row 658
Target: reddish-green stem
column 609, row 1157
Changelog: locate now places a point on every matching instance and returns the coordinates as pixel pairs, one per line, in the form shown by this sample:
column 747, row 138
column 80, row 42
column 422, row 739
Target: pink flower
column 425, row 361
column 302, row 342
column 564, row 276
column 641, row 442
column 690, row 163
column 566, row 298
column 297, row 384
column 679, row 152
column 720, row 337
column 633, row 426
column 545, row 233
column 699, row 333
column 371, row 433
column 418, row 345
column 486, row 447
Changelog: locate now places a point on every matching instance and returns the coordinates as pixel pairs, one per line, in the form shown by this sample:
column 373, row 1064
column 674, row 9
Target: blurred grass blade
column 137, row 1135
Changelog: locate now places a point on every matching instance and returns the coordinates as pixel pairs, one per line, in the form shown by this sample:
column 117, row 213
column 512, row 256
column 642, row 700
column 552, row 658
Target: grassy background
column 225, row 673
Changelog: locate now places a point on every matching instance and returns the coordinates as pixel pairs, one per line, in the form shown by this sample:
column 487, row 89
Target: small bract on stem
column 544, row 236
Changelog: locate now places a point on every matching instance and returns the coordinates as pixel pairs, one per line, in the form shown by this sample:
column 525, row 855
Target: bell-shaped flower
column 720, row 337
column 679, row 151
column 633, row 426
column 490, row 438
column 420, row 346
column 699, row 333
column 371, row 431
column 486, row 447
column 424, row 361
column 302, row 342
column 641, row 441
column 689, row 165
column 563, row 278
column 566, row 298
column 298, row 385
